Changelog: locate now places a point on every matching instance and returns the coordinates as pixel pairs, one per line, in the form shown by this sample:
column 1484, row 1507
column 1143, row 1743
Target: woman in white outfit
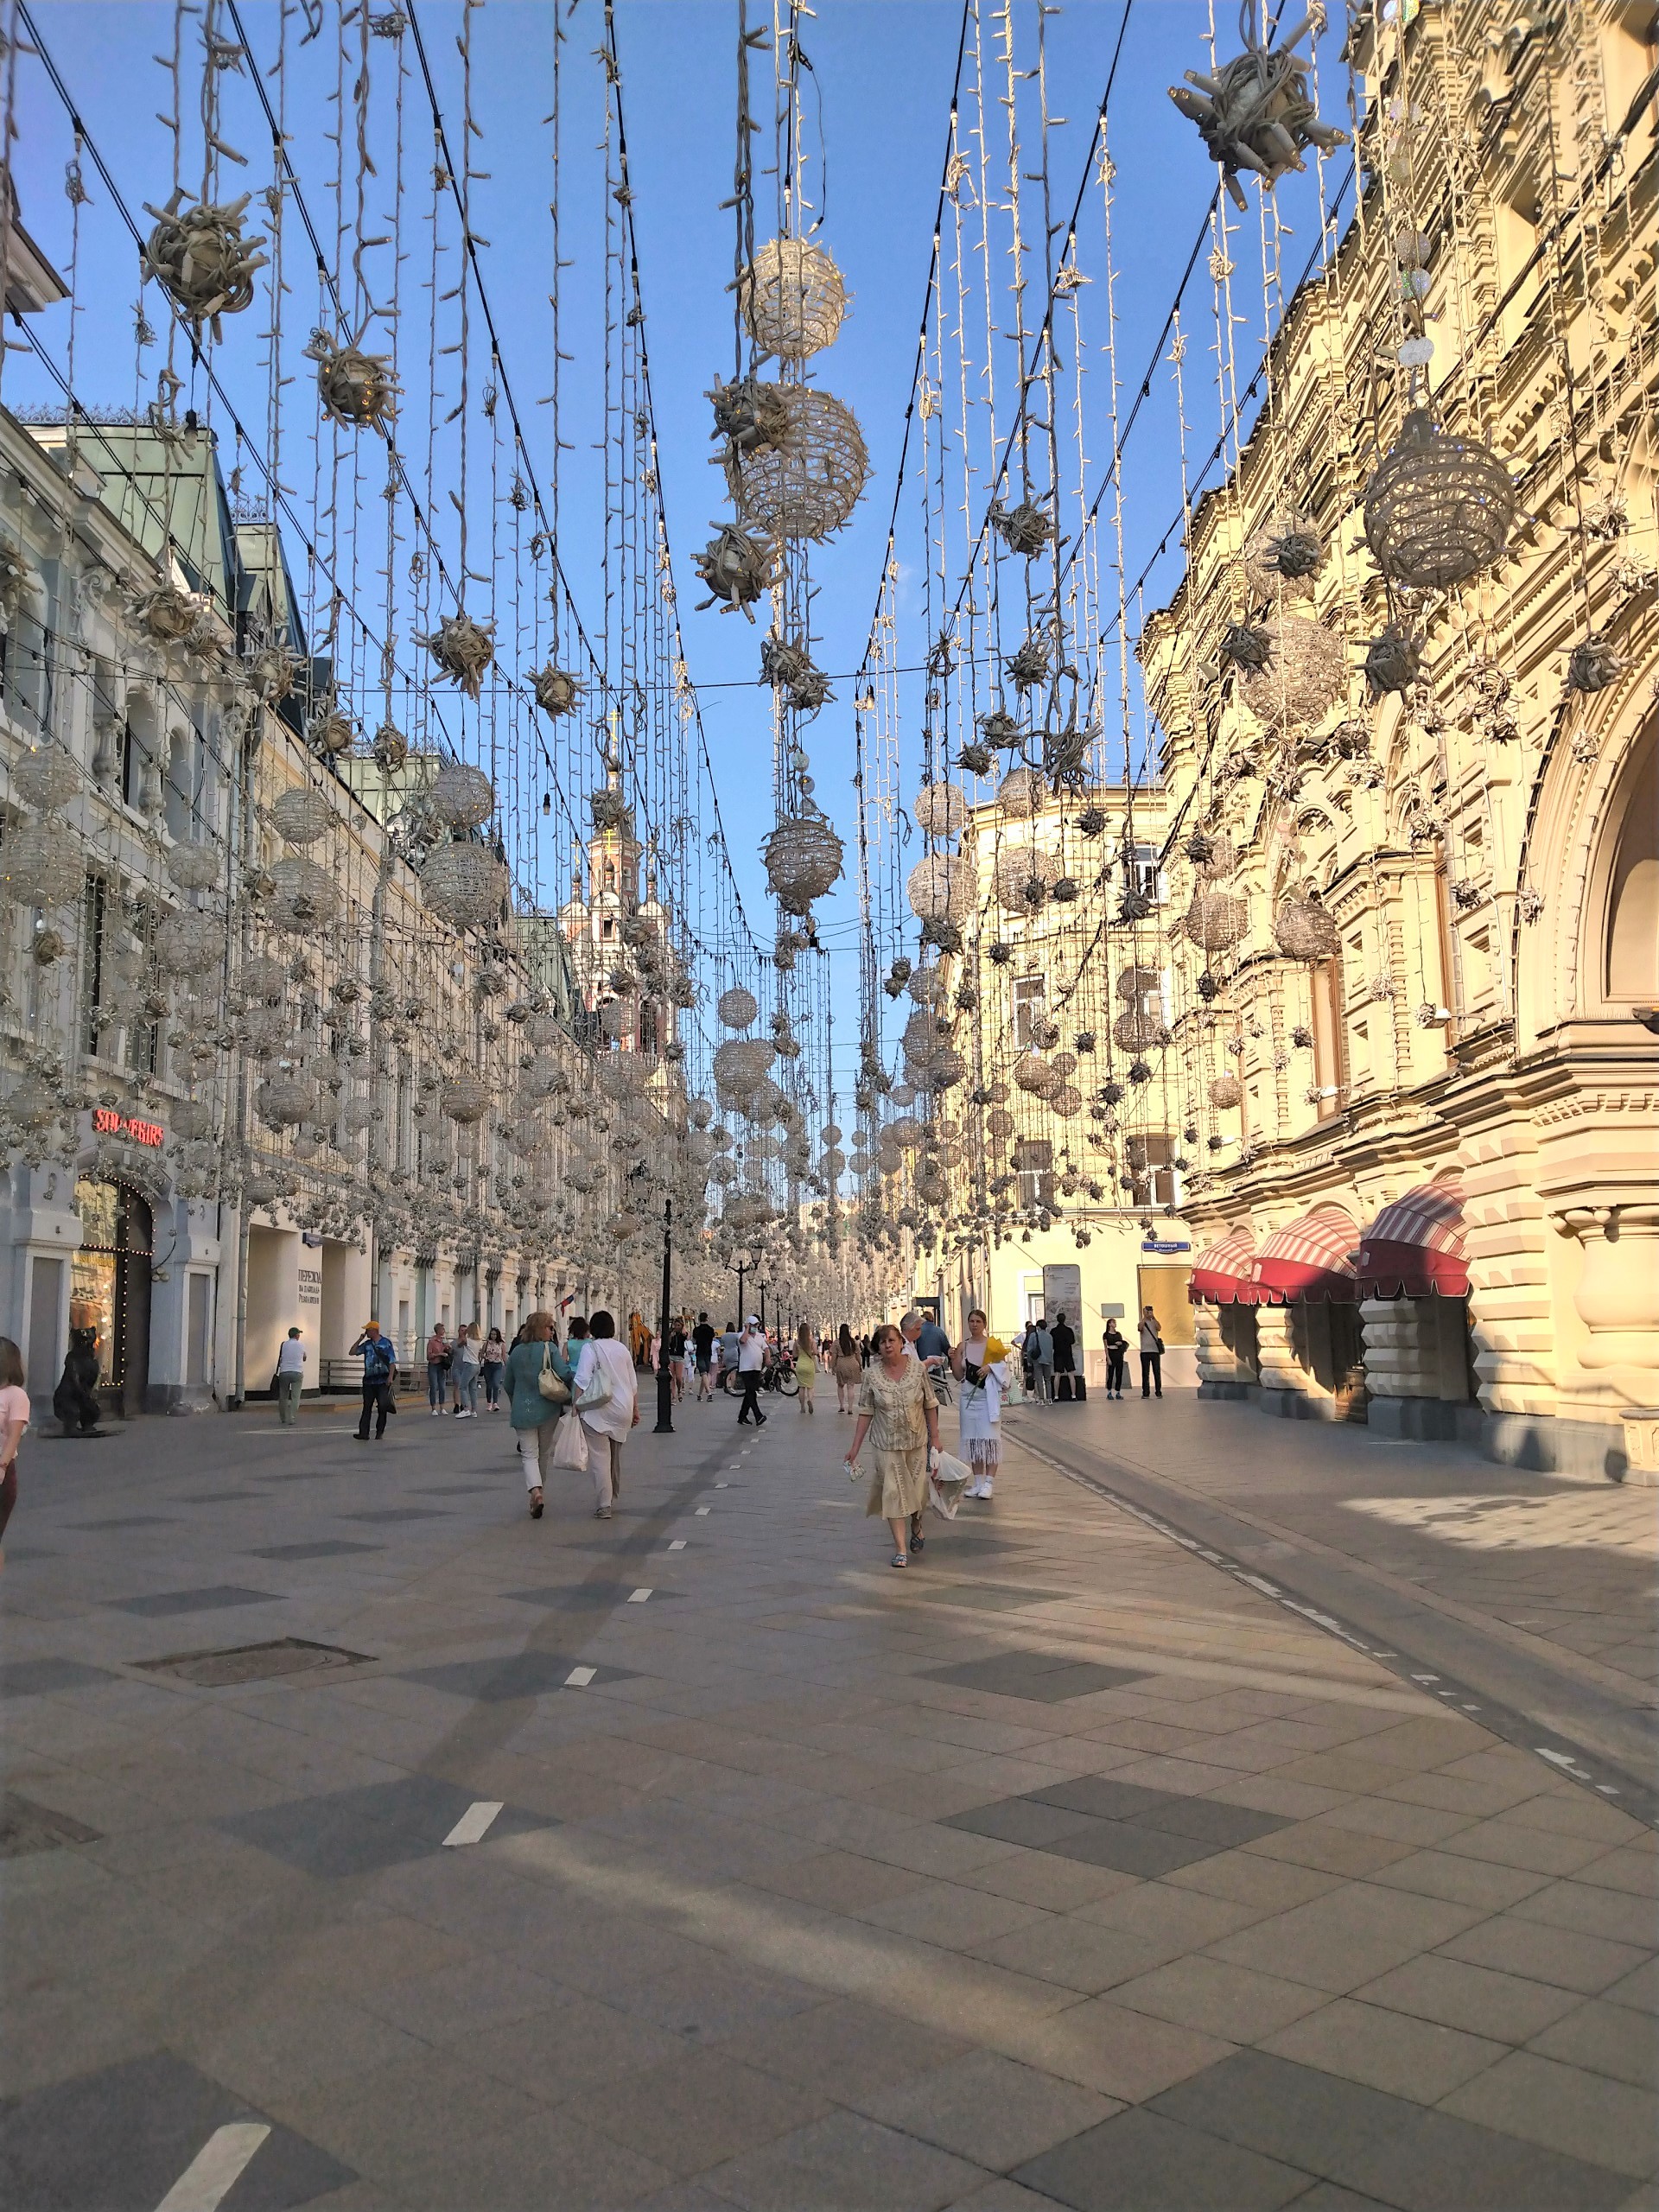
column 980, row 1362
column 605, row 1372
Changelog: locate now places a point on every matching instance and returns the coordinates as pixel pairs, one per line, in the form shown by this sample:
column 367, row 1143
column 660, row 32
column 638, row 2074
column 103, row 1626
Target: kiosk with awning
column 1414, row 1247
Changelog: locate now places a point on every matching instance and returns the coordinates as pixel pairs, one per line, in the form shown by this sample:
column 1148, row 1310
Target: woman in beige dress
column 897, row 1403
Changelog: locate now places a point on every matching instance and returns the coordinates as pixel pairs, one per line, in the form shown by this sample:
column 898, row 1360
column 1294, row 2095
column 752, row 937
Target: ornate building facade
column 1419, row 1038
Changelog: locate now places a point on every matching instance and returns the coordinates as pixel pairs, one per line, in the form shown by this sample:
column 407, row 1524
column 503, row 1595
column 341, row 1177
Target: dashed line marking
column 678, row 1544
column 216, row 2169
column 638, row 1597
column 702, row 1511
column 474, row 1823
column 579, row 1677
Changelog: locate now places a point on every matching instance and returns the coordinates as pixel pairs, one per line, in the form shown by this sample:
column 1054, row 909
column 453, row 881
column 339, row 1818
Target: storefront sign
column 310, row 1286
column 108, row 1124
column 1158, row 1244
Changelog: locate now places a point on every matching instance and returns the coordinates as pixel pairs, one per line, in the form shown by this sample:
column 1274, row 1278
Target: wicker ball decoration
column 1214, row 920
column 557, row 691
column 42, row 863
column 465, row 1098
column 1025, row 876
column 1225, row 1092
column 793, row 299
column 1284, row 555
column 742, row 1063
column 303, row 896
column 1220, row 861
column 462, row 796
column 301, row 815
column 623, row 1076
column 189, row 944
column 1138, row 1031
column 464, row 885
column 807, row 484
column 927, row 986
column 1304, row 930
column 1306, row 675
column 201, row 259
column 1136, row 984
column 940, row 809
column 192, row 867
column 737, row 1007
column 263, row 1187
column 1021, row 792
column 1033, row 1074
column 463, row 650
column 940, row 889
column 1066, row 1100
column 802, row 858
column 390, row 746
column 48, row 778
column 331, row 730
column 1438, row 508
column 617, row 1018
column 284, row 1101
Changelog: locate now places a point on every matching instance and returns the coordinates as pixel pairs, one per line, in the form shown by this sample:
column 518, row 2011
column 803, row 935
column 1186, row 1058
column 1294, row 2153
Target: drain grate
column 255, row 1663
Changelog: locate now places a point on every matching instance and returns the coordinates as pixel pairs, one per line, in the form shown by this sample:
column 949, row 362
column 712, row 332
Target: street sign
column 1162, row 1244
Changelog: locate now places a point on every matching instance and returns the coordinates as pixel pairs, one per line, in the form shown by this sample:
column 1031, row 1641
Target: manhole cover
column 255, row 1663
column 26, row 1827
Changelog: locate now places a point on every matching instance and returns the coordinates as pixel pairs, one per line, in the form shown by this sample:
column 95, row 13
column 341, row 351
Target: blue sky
column 883, row 69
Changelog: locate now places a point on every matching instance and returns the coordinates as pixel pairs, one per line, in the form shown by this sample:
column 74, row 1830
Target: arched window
column 1630, row 944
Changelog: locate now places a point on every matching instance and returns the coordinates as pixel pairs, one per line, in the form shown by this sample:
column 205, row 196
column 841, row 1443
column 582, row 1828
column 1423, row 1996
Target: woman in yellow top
column 806, row 1366
column 896, row 1402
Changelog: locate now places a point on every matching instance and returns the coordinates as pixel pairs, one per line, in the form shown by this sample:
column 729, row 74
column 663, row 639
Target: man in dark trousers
column 379, row 1373
column 1152, row 1355
column 751, row 1353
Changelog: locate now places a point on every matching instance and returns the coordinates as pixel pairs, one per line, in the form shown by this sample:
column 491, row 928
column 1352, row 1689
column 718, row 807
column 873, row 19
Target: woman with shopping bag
column 896, row 1402
column 538, row 1389
column 607, row 1403
column 981, row 1363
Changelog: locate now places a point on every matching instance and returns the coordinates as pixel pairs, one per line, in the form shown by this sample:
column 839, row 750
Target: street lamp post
column 763, row 1309
column 665, row 1372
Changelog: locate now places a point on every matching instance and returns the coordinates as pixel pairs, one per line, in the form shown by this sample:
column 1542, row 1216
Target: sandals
column 899, row 1559
column 536, row 1502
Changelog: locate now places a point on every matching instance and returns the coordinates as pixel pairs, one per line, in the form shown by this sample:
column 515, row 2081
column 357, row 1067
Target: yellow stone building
column 1463, row 1030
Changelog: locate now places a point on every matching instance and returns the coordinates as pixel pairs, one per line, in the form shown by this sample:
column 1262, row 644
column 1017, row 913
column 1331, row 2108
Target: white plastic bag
column 570, row 1445
column 947, row 1479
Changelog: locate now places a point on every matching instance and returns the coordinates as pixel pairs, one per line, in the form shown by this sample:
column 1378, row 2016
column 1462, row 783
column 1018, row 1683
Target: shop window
column 1630, row 957
column 1029, row 992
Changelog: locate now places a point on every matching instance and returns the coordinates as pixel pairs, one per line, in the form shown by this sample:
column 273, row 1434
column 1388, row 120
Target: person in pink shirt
column 14, row 1420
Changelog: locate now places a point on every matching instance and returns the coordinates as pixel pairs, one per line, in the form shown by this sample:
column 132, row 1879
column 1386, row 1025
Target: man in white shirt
column 290, row 1378
column 750, row 1365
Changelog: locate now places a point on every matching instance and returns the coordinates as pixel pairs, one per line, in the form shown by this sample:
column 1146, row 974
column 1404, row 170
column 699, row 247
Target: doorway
column 108, row 1292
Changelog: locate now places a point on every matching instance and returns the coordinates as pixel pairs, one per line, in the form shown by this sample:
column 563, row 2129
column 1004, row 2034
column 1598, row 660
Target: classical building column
column 1222, row 1373
column 1286, row 1385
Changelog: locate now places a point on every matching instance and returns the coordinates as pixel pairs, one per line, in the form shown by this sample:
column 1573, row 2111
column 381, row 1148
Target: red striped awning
column 1220, row 1273
column 1312, row 1258
column 1414, row 1247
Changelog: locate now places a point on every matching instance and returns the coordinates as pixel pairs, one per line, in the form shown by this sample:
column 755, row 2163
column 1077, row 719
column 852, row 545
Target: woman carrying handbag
column 538, row 1389
column 605, row 1398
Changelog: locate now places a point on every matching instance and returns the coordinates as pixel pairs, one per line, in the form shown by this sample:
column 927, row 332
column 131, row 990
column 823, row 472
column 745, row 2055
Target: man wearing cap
column 751, row 1366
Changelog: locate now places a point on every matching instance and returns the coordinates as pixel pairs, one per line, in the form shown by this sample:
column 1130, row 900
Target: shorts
column 705, row 1361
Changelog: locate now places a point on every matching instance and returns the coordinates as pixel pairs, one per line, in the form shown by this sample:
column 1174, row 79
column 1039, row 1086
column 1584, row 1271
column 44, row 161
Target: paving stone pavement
column 1066, row 1868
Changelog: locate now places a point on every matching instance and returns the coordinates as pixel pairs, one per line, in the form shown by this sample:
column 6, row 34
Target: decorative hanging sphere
column 940, row 809
column 464, row 885
column 357, row 389
column 617, row 1018
column 48, row 778
column 465, row 1098
column 542, row 1030
column 260, row 976
column 1066, row 1100
column 42, row 863
column 390, row 746
column 192, row 867
column 940, row 889
column 284, row 1101
column 737, row 1007
column 1137, row 983
column 201, row 259
column 1033, row 1074
column 742, row 1063
column 1304, row 930
column 1139, row 1031
column 303, row 896
column 1025, row 876
column 1304, row 676
column 1021, row 792
column 1225, row 1092
column 807, row 484
column 191, row 1118
column 1215, row 921
column 802, row 858
column 793, row 299
column 1284, row 555
column 301, row 814
column 189, row 944
column 1438, row 508
column 557, row 691
column 461, row 797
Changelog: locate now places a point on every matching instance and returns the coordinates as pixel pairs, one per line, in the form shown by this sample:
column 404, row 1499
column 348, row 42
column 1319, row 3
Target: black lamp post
column 665, row 1372
column 763, row 1309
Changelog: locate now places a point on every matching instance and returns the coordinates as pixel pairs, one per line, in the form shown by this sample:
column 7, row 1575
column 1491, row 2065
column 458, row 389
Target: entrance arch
column 109, row 1287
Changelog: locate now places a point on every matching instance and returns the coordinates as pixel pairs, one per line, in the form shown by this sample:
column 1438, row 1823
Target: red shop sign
column 109, row 1123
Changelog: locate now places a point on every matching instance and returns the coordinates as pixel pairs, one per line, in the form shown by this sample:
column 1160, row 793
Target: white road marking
column 722, row 1485
column 215, row 2170
column 638, row 1597
column 474, row 1823
column 579, row 1677
column 702, row 1511
column 678, row 1544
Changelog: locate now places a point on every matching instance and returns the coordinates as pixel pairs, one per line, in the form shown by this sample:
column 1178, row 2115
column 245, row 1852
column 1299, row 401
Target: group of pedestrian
column 455, row 1370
